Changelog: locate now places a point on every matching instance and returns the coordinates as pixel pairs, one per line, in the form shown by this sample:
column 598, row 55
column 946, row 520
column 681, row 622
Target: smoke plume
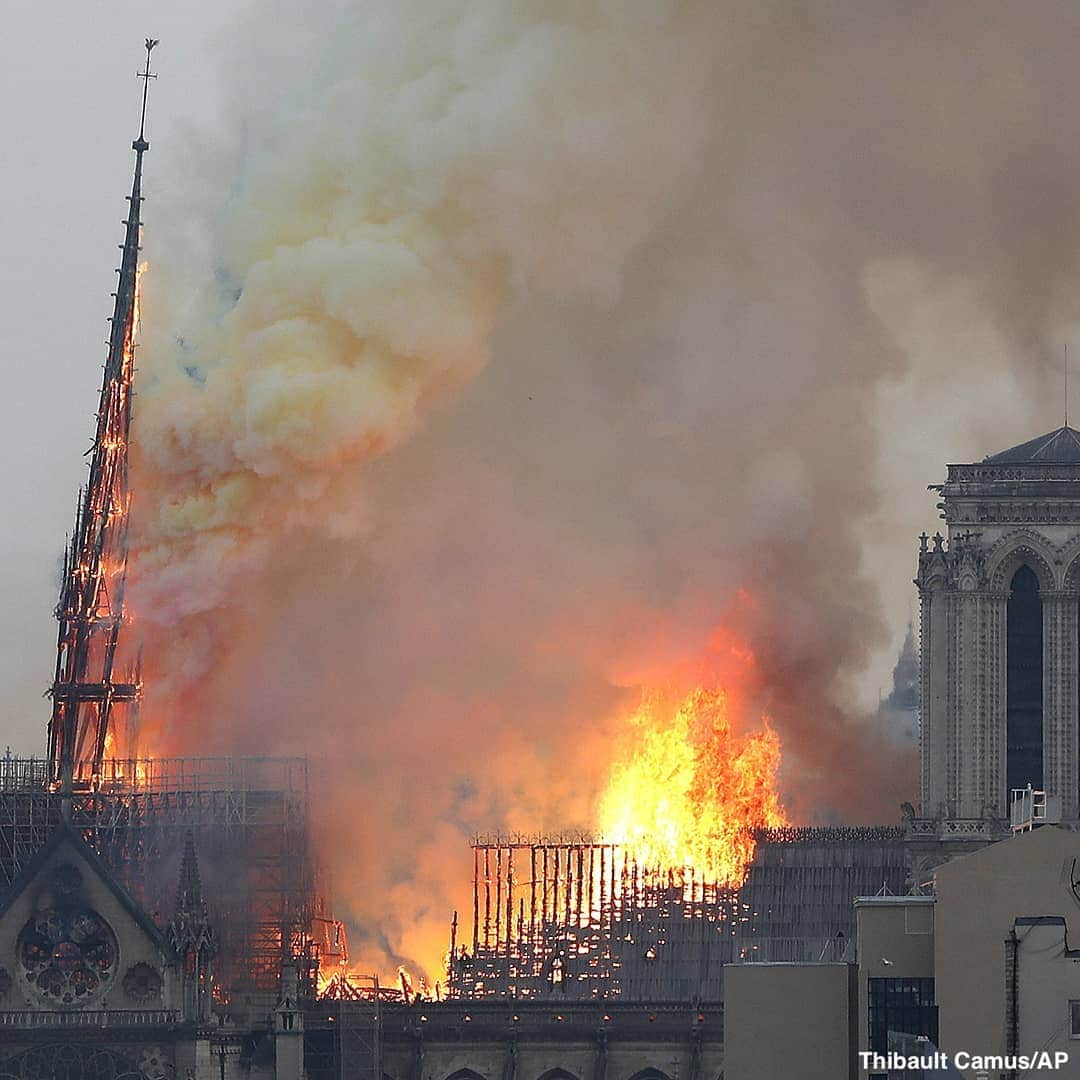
column 501, row 351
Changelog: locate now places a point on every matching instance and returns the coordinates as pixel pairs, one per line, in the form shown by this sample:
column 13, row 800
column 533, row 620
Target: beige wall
column 978, row 898
column 788, row 1020
column 897, row 929
column 1048, row 978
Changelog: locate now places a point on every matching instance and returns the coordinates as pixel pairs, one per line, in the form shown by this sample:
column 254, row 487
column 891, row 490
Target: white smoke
column 726, row 259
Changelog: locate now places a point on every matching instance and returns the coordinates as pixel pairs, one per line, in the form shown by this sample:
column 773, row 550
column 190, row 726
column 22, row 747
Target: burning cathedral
column 161, row 918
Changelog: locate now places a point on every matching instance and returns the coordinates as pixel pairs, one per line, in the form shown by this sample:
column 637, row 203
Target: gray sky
column 70, row 110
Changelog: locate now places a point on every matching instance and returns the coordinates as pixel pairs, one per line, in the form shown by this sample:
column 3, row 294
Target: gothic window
column 68, row 1062
column 1024, row 686
column 67, row 957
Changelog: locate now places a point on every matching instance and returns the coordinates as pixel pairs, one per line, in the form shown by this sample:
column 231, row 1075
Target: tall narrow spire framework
column 88, row 690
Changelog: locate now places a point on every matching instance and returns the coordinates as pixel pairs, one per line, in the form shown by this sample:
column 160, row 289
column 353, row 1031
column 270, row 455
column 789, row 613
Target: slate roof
column 1061, row 447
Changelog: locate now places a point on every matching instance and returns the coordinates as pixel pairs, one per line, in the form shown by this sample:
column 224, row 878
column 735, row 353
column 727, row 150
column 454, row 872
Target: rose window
column 67, row 957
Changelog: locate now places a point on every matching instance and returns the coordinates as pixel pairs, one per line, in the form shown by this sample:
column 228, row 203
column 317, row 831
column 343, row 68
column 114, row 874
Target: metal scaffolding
column 359, row 1042
column 248, row 817
column 578, row 918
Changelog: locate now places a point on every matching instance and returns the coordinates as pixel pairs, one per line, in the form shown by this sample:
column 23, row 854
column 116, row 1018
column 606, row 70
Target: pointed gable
column 76, row 939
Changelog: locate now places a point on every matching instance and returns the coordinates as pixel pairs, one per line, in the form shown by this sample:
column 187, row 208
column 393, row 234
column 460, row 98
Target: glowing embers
column 121, row 773
column 67, row 954
column 686, row 790
column 352, row 986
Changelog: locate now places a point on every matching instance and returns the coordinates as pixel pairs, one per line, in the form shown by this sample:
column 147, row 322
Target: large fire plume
column 720, row 285
column 690, row 793
column 695, row 769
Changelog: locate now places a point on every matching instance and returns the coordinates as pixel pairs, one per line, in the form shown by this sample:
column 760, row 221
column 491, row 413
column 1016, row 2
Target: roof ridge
column 1060, row 446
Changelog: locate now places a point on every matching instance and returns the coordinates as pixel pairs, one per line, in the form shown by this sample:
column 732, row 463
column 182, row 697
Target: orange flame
column 688, row 791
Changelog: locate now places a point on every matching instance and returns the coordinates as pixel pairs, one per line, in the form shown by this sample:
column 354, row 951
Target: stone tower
column 999, row 645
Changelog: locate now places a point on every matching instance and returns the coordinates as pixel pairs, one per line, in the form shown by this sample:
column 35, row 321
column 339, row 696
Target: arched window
column 650, row 1074
column 1024, row 685
column 558, row 1074
column 68, row 1061
column 465, row 1074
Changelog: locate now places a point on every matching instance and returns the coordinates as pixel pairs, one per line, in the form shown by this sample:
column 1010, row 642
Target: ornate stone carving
column 1019, row 548
column 67, row 958
column 70, row 1061
column 964, row 587
column 155, row 1064
column 1040, row 513
column 142, row 983
column 66, row 953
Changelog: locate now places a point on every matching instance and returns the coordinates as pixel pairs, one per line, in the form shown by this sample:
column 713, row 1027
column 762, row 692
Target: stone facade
column 528, row 1041
column 88, row 984
column 1020, row 508
column 92, row 989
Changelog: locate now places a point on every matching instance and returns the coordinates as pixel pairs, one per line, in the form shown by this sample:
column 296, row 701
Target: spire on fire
column 87, row 688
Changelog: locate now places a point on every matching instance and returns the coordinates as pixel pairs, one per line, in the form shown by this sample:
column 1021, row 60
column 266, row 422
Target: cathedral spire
column 87, row 688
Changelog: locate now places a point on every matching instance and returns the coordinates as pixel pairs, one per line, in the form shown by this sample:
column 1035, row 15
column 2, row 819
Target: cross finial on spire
column 146, row 75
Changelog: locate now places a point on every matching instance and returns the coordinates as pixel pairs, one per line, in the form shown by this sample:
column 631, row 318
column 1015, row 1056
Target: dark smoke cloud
column 862, row 266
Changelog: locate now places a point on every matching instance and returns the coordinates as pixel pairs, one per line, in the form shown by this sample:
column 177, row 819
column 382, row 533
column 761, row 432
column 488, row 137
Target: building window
column 905, row 1006
column 67, row 955
column 1024, row 683
column 1074, row 1019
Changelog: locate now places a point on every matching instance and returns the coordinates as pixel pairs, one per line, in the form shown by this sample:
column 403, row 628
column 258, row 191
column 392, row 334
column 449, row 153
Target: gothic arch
column 650, row 1074
column 1021, row 548
column 68, row 1061
column 465, row 1074
column 557, row 1074
column 1071, row 557
column 1025, row 681
column 936, row 579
